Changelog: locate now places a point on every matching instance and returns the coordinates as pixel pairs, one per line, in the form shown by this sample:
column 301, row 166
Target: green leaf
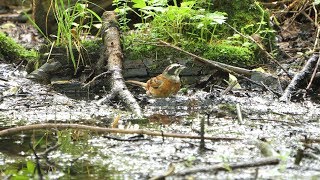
column 156, row 9
column 200, row 25
column 30, row 166
column 316, row 2
column 234, row 80
column 139, row 4
column 188, row 4
column 21, row 177
column 217, row 17
column 158, row 2
column 227, row 167
column 259, row 69
column 200, row 16
column 247, row 44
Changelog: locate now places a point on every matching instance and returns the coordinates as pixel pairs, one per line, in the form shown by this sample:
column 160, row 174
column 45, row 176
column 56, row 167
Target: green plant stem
column 262, row 16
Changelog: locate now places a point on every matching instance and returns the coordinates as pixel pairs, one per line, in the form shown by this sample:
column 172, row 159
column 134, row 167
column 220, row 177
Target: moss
column 234, row 55
column 141, row 52
column 223, row 52
column 12, row 51
column 215, row 42
column 134, row 46
column 247, row 16
column 92, row 45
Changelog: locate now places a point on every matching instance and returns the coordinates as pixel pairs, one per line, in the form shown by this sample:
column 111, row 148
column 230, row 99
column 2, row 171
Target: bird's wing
column 155, row 82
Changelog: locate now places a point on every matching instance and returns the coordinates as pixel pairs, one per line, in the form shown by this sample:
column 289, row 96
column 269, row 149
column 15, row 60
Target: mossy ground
column 13, row 52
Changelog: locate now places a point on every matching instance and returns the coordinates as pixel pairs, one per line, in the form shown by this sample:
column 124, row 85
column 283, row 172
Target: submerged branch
column 97, row 129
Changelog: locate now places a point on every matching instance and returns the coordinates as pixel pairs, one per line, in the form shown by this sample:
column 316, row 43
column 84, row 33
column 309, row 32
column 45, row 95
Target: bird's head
column 173, row 71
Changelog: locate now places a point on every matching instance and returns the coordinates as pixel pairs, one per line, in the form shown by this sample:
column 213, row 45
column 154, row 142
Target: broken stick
column 307, row 70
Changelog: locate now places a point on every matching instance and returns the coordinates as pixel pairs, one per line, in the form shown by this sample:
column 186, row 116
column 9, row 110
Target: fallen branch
column 306, row 70
column 225, row 67
column 113, row 55
column 97, row 129
column 237, row 71
column 231, row 166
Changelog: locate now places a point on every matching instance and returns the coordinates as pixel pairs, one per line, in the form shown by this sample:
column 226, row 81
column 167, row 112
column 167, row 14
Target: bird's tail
column 137, row 83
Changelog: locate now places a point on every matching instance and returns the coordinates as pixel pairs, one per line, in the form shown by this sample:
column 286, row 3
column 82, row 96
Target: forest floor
column 288, row 131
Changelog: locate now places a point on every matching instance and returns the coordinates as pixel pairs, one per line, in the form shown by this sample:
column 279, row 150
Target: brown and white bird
column 165, row 84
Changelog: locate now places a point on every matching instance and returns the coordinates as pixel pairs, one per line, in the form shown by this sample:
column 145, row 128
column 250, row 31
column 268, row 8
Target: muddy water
column 87, row 155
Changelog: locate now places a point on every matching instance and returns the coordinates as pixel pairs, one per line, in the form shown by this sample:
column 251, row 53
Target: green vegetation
column 27, row 170
column 75, row 21
column 230, row 54
column 201, row 27
column 92, row 45
column 71, row 142
column 74, row 24
column 12, row 51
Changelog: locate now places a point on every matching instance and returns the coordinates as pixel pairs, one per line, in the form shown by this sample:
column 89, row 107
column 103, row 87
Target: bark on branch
column 297, row 79
column 114, row 57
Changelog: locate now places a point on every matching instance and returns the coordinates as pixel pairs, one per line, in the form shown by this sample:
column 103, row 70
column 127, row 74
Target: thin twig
column 131, row 139
column 229, row 88
column 48, row 150
column 239, row 114
column 93, row 79
column 316, row 44
column 232, row 166
column 313, row 73
column 278, row 121
column 261, row 48
column 38, row 168
column 225, row 67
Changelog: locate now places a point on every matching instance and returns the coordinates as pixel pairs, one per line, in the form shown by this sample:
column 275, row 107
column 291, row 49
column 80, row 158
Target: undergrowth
column 197, row 26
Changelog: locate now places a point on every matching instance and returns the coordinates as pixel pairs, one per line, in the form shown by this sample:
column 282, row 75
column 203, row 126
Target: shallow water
column 85, row 154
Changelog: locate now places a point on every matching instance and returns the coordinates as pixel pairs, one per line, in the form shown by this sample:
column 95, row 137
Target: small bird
column 165, row 84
